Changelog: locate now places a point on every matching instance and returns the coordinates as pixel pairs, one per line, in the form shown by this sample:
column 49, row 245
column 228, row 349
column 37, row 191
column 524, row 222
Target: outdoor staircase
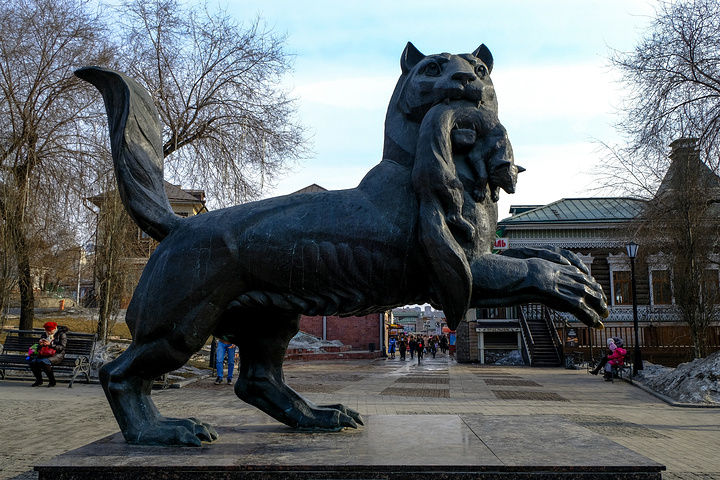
column 544, row 352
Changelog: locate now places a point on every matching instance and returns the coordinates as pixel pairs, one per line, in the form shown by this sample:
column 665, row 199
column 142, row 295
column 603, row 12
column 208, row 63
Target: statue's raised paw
column 549, row 253
column 567, row 288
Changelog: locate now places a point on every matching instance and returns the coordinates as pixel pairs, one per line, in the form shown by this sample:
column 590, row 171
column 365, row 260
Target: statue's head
column 433, row 79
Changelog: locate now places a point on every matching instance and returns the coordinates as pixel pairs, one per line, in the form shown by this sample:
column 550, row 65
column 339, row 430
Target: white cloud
column 554, row 91
column 363, row 93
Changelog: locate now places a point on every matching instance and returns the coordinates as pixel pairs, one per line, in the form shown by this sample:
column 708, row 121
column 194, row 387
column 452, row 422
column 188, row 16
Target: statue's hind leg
column 159, row 346
column 127, row 382
column 263, row 343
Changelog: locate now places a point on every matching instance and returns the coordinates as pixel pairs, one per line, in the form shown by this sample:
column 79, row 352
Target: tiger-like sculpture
column 418, row 228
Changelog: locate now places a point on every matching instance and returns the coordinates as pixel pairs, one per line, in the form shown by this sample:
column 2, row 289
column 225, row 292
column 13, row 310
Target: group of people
column 615, row 356
column 417, row 345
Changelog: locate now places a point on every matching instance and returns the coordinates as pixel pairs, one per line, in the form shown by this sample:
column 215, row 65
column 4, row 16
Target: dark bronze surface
column 455, row 447
column 419, row 227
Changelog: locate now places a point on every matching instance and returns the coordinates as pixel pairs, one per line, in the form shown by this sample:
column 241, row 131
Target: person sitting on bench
column 50, row 351
column 603, row 361
column 616, row 358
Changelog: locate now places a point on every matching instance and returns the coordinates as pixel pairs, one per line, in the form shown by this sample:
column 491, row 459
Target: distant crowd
column 417, row 345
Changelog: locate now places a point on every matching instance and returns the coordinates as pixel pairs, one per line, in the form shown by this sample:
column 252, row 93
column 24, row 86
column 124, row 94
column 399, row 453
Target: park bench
column 623, row 371
column 78, row 353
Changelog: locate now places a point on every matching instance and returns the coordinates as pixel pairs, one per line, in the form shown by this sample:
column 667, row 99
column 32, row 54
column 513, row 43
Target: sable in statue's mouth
column 463, row 139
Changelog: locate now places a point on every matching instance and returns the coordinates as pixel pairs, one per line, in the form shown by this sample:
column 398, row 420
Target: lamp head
column 632, row 249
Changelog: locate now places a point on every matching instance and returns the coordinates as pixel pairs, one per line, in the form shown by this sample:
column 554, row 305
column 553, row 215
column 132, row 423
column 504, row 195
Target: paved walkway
column 39, row 423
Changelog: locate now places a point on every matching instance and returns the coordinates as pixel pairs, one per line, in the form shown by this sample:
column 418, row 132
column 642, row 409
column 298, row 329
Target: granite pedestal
column 392, row 447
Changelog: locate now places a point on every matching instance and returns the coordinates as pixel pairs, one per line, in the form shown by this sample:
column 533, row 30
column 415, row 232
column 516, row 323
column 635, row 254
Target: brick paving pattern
column 529, row 395
column 684, row 439
column 424, row 380
column 417, row 392
column 510, row 383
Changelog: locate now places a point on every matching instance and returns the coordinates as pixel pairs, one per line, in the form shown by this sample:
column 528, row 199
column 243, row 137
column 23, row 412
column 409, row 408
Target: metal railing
column 527, row 337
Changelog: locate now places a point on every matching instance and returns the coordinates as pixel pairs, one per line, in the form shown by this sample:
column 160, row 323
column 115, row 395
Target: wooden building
column 597, row 230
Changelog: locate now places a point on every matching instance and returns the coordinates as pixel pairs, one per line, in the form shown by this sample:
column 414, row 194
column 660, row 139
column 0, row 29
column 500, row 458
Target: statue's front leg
column 550, row 278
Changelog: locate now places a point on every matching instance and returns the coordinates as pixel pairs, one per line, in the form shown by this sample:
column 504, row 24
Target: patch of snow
column 106, row 353
column 512, row 358
column 305, row 340
column 696, row 382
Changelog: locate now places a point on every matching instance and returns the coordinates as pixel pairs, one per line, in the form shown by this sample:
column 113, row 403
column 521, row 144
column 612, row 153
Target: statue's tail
column 136, row 149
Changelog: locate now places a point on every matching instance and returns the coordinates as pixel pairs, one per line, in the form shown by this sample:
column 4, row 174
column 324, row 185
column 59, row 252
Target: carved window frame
column 618, row 263
column 660, row 262
column 715, row 268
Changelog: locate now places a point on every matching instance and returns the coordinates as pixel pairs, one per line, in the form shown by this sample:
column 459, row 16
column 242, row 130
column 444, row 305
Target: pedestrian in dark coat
column 403, row 345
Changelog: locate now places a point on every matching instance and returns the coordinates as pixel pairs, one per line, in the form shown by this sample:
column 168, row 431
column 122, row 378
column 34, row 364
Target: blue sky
column 555, row 90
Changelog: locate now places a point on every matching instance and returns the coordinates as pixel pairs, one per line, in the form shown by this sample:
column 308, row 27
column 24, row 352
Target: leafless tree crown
column 672, row 79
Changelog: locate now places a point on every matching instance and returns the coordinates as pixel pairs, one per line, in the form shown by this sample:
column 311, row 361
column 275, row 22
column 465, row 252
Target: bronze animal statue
column 418, row 228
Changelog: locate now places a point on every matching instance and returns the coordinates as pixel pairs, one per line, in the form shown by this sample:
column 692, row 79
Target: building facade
column 598, row 230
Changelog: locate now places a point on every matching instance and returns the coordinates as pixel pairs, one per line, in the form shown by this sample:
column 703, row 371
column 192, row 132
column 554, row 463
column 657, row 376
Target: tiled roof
column 609, row 209
column 311, row 188
column 177, row 195
column 174, row 193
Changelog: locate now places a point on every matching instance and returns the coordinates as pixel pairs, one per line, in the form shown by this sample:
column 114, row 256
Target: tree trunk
column 27, row 297
column 105, row 302
column 16, row 224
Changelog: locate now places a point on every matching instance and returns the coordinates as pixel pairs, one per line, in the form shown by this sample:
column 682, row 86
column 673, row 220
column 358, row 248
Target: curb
column 669, row 400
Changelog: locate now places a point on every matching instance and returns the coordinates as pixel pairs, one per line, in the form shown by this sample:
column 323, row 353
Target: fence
column 665, row 344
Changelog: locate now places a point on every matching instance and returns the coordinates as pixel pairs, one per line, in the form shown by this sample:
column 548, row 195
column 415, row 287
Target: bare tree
column 115, row 246
column 673, row 82
column 8, row 273
column 683, row 221
column 41, row 41
column 228, row 122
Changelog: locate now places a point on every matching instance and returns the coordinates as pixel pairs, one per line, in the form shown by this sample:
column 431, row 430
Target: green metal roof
column 591, row 210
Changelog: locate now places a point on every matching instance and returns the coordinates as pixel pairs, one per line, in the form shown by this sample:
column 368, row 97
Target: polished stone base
column 393, row 447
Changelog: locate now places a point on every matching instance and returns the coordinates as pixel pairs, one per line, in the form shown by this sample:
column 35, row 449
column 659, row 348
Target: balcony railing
column 647, row 315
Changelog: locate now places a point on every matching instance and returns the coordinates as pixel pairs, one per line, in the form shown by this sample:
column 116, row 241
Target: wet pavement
column 37, row 424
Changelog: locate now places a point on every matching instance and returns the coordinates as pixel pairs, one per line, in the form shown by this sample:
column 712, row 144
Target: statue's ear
column 411, row 56
column 483, row 53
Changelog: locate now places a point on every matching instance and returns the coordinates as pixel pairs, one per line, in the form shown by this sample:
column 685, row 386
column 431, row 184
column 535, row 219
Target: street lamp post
column 632, row 249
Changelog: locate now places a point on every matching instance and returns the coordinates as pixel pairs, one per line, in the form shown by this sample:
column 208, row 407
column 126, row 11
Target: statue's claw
column 177, row 432
column 565, row 282
column 355, row 415
column 329, row 419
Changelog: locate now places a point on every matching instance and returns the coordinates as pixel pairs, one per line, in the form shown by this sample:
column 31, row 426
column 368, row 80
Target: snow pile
column 106, row 353
column 695, row 382
column 512, row 358
column 307, row 341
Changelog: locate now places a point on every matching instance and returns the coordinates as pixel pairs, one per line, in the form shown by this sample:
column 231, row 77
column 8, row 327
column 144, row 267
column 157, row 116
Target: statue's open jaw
column 463, row 99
